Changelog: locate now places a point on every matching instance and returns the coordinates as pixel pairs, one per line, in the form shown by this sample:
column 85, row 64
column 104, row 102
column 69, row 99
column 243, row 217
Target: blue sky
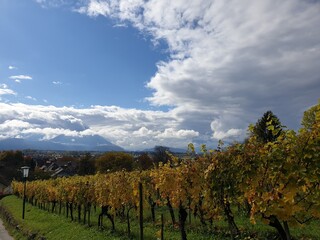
column 74, row 59
column 158, row 72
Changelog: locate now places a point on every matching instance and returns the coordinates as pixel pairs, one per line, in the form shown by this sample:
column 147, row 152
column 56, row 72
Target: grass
column 52, row 226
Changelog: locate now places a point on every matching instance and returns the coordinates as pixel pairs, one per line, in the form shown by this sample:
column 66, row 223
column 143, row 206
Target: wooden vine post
column 162, row 227
column 141, row 210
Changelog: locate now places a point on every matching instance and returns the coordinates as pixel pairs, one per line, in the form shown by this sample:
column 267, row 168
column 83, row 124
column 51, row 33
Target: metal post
column 25, row 173
column 24, row 196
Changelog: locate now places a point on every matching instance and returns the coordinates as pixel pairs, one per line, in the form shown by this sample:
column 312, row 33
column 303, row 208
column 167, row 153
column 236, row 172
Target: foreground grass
column 55, row 226
column 51, row 226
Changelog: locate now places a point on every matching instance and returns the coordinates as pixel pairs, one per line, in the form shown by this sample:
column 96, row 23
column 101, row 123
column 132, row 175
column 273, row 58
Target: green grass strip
column 40, row 224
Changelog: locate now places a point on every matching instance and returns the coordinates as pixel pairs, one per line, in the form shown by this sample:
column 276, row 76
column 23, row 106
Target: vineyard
column 276, row 182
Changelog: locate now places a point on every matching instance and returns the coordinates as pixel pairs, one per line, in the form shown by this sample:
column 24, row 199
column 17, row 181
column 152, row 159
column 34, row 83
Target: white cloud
column 57, row 83
column 23, row 77
column 19, row 78
column 143, row 131
column 4, row 90
column 18, row 124
column 31, row 98
column 219, row 133
column 10, row 67
column 12, row 128
column 53, row 3
column 49, row 133
column 177, row 134
column 120, row 25
column 96, row 8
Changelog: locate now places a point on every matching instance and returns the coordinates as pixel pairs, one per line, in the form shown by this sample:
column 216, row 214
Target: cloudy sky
column 160, row 72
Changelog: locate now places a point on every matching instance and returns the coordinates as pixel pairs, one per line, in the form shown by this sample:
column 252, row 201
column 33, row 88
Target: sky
column 159, row 72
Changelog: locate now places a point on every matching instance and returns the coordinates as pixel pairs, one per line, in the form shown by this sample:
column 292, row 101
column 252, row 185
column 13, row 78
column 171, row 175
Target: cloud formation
column 12, row 67
column 233, row 60
column 54, row 3
column 129, row 128
column 57, row 83
column 31, row 98
column 228, row 63
column 19, row 78
column 4, row 90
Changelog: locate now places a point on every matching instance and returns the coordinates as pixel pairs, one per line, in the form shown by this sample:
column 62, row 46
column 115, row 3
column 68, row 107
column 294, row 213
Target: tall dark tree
column 86, row 165
column 160, row 154
column 268, row 128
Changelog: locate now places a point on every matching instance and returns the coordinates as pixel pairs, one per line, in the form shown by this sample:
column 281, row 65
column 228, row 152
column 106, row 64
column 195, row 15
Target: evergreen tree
column 268, row 128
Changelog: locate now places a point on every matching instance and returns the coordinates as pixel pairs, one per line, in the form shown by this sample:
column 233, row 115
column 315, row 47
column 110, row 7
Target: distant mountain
column 13, row 144
column 92, row 143
column 61, row 143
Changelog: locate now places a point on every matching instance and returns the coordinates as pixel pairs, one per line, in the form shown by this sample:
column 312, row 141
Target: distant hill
column 61, row 143
column 171, row 149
